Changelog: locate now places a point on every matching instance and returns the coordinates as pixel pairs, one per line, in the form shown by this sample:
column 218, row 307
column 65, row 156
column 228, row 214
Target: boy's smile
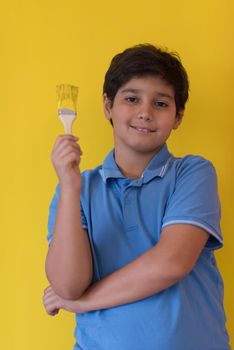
column 143, row 115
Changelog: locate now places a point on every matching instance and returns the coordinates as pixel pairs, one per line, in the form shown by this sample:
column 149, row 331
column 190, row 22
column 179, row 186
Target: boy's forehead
column 140, row 84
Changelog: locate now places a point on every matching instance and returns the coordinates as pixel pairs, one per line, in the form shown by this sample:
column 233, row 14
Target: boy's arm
column 69, row 259
column 157, row 269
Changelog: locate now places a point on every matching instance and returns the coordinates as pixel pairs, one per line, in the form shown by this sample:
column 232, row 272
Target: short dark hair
column 147, row 59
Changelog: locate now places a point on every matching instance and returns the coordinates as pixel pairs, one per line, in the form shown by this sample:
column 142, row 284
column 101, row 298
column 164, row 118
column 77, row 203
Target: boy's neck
column 132, row 164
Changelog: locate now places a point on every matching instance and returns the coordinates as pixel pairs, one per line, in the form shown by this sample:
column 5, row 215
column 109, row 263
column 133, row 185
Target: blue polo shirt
column 124, row 218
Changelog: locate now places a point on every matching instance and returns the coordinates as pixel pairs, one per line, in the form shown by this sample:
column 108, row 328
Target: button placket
column 129, row 208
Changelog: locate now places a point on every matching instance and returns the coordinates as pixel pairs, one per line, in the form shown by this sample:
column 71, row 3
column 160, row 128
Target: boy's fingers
column 54, row 313
column 48, row 298
column 64, row 149
column 51, row 305
column 51, row 310
column 47, row 289
column 68, row 153
column 64, row 145
column 60, row 138
column 51, row 299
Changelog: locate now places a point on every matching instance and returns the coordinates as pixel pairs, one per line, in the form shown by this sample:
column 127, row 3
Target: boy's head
column 144, row 60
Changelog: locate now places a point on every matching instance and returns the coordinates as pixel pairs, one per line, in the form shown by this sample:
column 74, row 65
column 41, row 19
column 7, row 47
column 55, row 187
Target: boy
column 132, row 250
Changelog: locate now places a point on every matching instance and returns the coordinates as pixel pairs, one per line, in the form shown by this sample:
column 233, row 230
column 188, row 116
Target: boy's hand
column 65, row 157
column 53, row 303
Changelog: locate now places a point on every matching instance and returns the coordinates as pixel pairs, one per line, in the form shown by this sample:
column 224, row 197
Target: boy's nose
column 145, row 113
column 144, row 116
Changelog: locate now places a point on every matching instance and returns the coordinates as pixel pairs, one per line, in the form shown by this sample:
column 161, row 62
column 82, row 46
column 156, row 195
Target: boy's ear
column 178, row 119
column 107, row 106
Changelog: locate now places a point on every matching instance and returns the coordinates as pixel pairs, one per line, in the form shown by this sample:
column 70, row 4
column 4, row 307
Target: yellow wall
column 47, row 42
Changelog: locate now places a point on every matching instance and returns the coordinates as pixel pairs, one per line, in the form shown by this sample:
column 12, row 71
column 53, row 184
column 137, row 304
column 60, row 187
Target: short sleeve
column 83, row 218
column 52, row 214
column 195, row 199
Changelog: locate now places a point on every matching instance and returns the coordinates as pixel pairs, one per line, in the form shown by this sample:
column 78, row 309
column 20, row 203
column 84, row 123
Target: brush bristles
column 67, row 95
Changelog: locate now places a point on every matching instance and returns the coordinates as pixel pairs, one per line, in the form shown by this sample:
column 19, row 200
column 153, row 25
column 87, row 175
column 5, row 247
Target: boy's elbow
column 69, row 289
column 70, row 286
column 71, row 292
column 75, row 292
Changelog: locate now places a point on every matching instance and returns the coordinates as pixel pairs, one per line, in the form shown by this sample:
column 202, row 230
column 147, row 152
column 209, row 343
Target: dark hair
column 146, row 59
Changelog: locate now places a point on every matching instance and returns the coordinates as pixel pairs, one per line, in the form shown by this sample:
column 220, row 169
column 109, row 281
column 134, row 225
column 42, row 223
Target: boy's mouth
column 142, row 130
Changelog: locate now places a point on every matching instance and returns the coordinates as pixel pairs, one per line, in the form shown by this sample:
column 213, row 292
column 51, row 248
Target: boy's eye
column 161, row 104
column 131, row 99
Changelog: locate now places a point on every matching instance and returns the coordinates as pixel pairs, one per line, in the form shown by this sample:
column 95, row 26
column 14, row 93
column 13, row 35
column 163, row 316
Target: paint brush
column 67, row 100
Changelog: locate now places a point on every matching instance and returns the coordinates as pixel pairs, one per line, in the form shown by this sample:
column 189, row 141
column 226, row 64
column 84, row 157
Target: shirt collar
column 156, row 167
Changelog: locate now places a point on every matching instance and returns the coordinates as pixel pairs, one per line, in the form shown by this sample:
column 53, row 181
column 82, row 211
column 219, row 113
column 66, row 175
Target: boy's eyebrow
column 135, row 91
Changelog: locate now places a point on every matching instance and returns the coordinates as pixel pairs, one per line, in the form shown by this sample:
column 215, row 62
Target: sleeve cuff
column 214, row 241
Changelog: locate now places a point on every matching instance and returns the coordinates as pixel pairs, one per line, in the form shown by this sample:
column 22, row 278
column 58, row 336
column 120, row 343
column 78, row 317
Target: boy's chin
column 146, row 149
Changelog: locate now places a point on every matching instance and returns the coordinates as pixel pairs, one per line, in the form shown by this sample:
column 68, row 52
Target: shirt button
column 128, row 201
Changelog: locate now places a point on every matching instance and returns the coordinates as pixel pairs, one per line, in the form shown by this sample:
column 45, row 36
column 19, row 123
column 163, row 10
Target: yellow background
column 47, row 42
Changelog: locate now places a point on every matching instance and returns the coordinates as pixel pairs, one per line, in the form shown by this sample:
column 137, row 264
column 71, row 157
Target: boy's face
column 143, row 114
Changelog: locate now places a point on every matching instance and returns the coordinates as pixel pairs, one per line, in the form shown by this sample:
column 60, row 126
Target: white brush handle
column 67, row 120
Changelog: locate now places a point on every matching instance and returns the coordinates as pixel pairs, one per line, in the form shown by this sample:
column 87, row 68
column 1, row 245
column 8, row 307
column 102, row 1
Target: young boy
column 132, row 241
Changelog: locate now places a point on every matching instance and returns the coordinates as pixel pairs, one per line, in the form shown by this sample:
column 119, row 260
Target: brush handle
column 67, row 120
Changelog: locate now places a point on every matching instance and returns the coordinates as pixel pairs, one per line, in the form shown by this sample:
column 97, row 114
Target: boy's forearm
column 165, row 264
column 69, row 259
column 140, row 279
